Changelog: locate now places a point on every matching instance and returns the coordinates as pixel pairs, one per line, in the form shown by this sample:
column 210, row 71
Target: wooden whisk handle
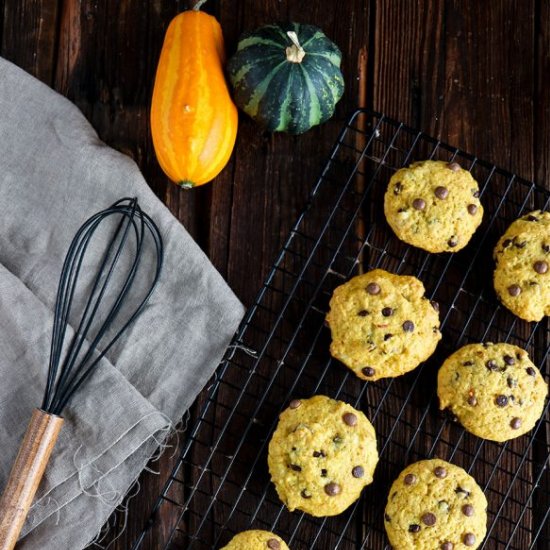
column 26, row 474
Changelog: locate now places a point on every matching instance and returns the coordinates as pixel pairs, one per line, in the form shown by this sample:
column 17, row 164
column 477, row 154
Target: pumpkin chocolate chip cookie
column 434, row 505
column 321, row 456
column 433, row 205
column 494, row 390
column 382, row 325
column 522, row 273
column 256, row 540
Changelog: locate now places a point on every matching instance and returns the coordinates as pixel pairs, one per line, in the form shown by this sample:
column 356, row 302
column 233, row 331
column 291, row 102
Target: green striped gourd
column 287, row 77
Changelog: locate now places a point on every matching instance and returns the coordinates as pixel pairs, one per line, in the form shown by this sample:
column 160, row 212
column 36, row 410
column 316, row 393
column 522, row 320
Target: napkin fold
column 54, row 174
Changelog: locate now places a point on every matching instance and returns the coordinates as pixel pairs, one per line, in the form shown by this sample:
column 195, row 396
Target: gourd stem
column 294, row 53
column 186, row 184
column 198, row 5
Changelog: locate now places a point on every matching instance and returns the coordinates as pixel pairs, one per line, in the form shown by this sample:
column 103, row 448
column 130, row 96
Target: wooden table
column 473, row 73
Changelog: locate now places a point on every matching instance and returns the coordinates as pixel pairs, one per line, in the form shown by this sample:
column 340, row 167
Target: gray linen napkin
column 54, row 173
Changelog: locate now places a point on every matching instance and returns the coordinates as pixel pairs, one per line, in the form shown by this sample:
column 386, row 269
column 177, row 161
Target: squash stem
column 294, row 53
column 186, row 184
column 199, row 4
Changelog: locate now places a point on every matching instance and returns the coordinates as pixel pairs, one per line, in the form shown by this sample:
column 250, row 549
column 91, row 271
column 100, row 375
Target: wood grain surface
column 473, row 73
column 26, row 475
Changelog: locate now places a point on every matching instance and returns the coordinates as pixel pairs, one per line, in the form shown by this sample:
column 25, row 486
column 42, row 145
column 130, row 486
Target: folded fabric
column 55, row 173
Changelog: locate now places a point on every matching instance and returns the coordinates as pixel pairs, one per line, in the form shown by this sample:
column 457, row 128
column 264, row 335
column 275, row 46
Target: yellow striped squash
column 193, row 118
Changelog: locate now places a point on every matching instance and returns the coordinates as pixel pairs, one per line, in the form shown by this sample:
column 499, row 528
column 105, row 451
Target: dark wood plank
column 271, row 175
column 258, row 196
column 542, row 94
column 465, row 76
column 447, row 70
column 106, row 65
column 267, row 199
column 542, row 176
column 29, row 35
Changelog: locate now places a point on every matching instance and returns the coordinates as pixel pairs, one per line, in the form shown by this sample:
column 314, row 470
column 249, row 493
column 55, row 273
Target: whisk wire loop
column 67, row 372
column 65, row 294
column 87, row 316
column 64, row 299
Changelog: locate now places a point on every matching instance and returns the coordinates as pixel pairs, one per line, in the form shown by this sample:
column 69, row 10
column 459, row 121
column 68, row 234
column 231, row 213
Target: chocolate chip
column 273, row 544
column 363, row 313
column 491, row 364
column 472, row 400
column 531, row 218
column 387, row 312
column 408, row 326
column 472, row 209
column 441, row 192
column 358, row 471
column 295, row 467
column 467, row 363
column 324, row 472
column 509, row 360
column 501, row 400
column 319, row 454
column 475, row 193
column 332, row 489
column 447, row 546
column 414, row 528
column 419, row 204
column 368, row 371
column 515, row 423
column 530, row 371
column 397, row 188
column 350, row 419
column 401, row 210
column 429, row 519
column 387, row 518
column 452, row 242
column 507, row 243
column 305, row 494
column 440, row 472
column 410, row 479
column 435, row 305
column 373, row 288
column 468, row 510
column 460, row 491
column 540, row 267
column 469, row 539
column 387, row 337
column 454, row 166
column 546, row 247
column 512, row 382
column 522, row 244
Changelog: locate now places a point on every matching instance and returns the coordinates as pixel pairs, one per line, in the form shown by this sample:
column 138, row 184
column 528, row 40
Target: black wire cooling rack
column 221, row 485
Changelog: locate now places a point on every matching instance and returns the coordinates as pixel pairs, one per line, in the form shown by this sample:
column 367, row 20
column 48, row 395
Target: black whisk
column 101, row 293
